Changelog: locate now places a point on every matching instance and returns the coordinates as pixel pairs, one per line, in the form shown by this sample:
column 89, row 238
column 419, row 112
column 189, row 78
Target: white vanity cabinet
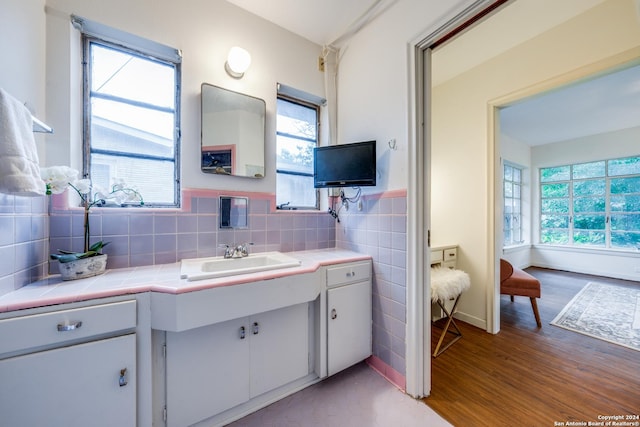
column 69, row 367
column 214, row 368
column 349, row 315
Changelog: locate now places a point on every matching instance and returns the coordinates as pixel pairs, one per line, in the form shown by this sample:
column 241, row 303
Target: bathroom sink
column 208, row 268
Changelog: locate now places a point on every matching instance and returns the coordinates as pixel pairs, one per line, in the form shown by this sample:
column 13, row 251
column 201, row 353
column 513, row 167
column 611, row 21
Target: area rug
column 608, row 312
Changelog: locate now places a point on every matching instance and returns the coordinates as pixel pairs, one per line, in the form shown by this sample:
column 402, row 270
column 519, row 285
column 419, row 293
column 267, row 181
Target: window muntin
column 591, row 204
column 131, row 121
column 512, row 229
column 296, row 136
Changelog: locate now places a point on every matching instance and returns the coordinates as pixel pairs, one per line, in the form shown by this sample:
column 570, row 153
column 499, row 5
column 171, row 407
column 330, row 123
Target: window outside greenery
column 591, row 204
column 512, row 181
column 297, row 136
column 131, row 121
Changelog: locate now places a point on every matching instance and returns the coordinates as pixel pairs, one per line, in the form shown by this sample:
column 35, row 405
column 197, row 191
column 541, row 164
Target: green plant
column 59, row 178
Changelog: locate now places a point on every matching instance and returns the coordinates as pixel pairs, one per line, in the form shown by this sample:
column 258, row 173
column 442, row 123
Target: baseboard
column 472, row 320
column 387, row 372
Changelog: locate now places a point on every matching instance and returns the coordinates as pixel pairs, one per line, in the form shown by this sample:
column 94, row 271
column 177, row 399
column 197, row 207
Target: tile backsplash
column 24, row 241
column 379, row 229
column 140, row 236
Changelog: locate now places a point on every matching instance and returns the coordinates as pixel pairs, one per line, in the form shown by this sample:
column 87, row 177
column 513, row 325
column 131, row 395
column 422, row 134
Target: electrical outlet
column 321, row 63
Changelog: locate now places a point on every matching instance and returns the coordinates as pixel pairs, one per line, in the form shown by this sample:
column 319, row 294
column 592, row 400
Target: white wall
column 519, row 153
column 463, row 156
column 22, row 43
column 204, row 30
column 373, row 86
column 610, row 145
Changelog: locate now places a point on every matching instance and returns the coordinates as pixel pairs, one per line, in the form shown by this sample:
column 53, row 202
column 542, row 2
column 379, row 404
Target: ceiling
column 604, row 104
column 596, row 106
column 322, row 22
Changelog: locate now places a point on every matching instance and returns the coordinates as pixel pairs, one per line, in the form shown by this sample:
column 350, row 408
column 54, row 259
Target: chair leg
column 534, row 305
column 511, row 298
column 450, row 322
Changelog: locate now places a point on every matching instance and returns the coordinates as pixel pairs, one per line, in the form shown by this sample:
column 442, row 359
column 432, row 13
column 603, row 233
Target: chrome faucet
column 236, row 251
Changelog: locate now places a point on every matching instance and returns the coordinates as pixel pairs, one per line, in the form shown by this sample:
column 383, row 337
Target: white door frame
column 418, row 327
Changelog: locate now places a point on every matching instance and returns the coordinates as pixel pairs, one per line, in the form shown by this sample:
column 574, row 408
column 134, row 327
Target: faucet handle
column 228, row 249
column 243, row 249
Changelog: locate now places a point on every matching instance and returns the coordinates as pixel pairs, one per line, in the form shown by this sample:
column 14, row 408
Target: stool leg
column 450, row 322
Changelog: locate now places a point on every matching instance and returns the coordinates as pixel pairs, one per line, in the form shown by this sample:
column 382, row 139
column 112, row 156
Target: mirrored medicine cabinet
column 232, row 133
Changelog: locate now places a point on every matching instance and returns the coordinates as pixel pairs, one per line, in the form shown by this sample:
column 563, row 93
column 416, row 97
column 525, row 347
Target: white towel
column 19, row 169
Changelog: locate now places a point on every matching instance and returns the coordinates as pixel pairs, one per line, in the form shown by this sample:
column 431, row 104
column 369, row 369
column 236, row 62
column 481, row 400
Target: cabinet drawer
column 436, row 257
column 348, row 273
column 450, row 254
column 21, row 333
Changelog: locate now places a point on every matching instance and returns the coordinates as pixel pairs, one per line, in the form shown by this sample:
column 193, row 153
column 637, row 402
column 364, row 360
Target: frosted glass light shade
column 238, row 62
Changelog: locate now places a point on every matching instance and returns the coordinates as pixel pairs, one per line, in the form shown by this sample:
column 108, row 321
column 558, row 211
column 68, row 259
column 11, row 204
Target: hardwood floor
column 525, row 376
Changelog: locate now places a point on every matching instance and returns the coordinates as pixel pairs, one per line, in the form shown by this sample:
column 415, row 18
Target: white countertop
column 163, row 278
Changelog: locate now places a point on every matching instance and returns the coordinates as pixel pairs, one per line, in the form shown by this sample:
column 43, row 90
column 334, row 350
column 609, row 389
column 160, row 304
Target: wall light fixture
column 238, row 62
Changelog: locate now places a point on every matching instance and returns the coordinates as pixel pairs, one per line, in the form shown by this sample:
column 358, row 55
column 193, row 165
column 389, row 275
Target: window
column 595, row 204
column 131, row 117
column 297, row 136
column 512, row 181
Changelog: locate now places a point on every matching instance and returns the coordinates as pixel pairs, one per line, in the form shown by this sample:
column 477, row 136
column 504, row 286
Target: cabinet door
column 71, row 386
column 279, row 348
column 207, row 371
column 348, row 325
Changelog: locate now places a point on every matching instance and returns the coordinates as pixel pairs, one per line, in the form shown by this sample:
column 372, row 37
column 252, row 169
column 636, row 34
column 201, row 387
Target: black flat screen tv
column 345, row 165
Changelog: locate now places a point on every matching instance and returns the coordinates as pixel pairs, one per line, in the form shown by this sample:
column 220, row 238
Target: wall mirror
column 232, row 131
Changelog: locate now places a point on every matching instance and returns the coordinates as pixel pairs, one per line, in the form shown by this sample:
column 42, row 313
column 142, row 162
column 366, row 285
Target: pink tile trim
column 391, row 375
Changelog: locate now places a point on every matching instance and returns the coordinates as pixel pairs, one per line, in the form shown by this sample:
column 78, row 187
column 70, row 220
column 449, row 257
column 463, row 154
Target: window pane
column 150, row 177
column 517, row 175
column 588, row 170
column 508, row 173
column 560, row 173
column 625, row 222
column 295, row 190
column 132, row 77
column 589, row 222
column 589, row 238
column 294, row 155
column 625, row 185
column 295, row 119
column 554, row 237
column 555, row 190
column 625, row 203
column 555, row 205
column 516, row 191
column 590, row 187
column 554, row 221
column 129, row 119
column 508, row 189
column 589, row 204
column 625, row 239
column 628, row 166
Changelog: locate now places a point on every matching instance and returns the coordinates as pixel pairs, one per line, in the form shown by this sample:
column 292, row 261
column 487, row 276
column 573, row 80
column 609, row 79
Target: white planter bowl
column 82, row 268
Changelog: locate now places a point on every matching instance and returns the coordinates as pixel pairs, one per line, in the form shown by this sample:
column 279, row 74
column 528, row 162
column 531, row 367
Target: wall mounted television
column 345, row 165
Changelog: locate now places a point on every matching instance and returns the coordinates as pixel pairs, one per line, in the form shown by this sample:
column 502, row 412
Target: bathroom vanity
column 179, row 353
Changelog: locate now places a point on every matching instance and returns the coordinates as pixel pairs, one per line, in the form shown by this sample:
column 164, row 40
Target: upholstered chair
column 514, row 281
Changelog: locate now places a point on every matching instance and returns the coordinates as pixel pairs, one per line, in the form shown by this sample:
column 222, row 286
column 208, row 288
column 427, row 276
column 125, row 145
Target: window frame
column 316, row 108
column 87, row 39
column 520, row 183
column 570, row 181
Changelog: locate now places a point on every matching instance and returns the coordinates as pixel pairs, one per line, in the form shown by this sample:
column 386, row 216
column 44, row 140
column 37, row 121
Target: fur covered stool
column 448, row 284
